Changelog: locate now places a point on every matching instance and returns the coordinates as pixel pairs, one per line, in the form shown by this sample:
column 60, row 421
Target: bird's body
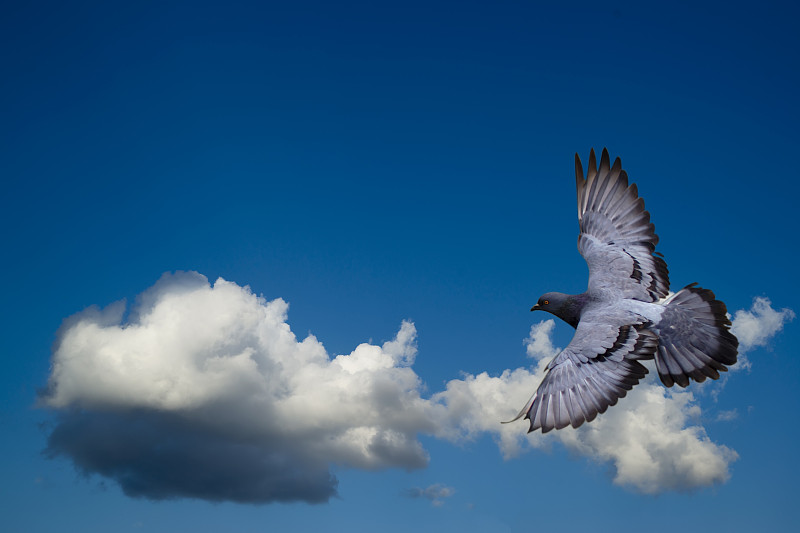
column 601, row 305
column 624, row 316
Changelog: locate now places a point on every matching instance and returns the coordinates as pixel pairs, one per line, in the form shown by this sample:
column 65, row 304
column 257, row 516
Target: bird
column 627, row 314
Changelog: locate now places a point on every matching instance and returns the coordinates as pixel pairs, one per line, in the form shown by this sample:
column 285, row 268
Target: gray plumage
column 621, row 318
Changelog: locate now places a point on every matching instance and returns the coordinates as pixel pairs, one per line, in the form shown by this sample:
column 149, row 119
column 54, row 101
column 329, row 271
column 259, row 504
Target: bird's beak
column 536, row 308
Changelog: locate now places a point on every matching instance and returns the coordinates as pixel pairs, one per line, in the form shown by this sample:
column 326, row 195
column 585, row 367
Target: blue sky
column 370, row 164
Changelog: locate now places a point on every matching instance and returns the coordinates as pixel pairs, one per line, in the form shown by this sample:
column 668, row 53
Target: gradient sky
column 379, row 162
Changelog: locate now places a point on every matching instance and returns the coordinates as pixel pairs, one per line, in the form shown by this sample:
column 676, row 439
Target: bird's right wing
column 595, row 369
column 617, row 238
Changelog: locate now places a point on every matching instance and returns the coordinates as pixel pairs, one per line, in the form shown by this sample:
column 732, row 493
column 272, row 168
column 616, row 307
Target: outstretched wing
column 595, row 370
column 617, row 238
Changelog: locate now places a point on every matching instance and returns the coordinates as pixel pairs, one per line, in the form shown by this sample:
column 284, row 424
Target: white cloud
column 655, row 441
column 213, row 376
column 435, row 493
column 756, row 326
column 727, row 416
column 224, row 361
column 653, row 437
column 475, row 405
column 539, row 345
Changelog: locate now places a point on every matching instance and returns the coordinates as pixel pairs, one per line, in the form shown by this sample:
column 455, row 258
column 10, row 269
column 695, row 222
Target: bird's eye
column 546, row 302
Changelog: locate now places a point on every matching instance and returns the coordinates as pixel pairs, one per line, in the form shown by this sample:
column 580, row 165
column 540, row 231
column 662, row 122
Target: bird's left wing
column 617, row 238
column 596, row 368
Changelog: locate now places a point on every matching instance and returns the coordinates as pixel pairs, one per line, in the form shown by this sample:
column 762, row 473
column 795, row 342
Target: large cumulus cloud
column 203, row 391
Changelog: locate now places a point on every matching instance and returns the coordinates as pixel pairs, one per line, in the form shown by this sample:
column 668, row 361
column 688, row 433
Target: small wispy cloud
column 755, row 327
column 436, row 493
column 727, row 416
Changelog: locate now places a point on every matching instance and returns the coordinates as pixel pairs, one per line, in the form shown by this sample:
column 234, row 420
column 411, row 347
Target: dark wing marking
column 617, row 238
column 596, row 369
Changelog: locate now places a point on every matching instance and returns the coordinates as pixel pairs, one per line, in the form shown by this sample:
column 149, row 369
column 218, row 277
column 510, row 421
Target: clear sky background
column 401, row 174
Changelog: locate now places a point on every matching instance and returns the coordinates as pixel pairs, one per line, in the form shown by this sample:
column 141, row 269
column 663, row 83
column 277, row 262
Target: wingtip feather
column 524, row 411
column 592, row 169
column 605, row 160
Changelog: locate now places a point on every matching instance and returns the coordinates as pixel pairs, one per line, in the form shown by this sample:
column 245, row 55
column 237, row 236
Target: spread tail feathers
column 694, row 338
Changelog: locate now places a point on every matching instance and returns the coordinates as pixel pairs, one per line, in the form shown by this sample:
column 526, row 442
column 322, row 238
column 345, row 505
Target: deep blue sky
column 379, row 161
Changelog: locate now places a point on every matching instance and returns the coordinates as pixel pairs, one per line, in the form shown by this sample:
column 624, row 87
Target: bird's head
column 549, row 301
column 565, row 306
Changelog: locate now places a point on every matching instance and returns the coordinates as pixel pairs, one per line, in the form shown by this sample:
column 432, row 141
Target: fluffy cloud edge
column 222, row 364
column 654, row 437
column 223, row 367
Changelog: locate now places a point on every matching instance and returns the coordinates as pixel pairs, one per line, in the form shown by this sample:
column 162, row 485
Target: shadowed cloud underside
column 204, row 392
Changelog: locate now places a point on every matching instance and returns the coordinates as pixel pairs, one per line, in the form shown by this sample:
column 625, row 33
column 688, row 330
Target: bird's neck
column 570, row 310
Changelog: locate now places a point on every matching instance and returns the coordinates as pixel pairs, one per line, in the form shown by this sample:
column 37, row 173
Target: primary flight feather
column 622, row 317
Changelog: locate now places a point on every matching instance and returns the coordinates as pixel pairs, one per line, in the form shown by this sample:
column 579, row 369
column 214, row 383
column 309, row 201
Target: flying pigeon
column 625, row 315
